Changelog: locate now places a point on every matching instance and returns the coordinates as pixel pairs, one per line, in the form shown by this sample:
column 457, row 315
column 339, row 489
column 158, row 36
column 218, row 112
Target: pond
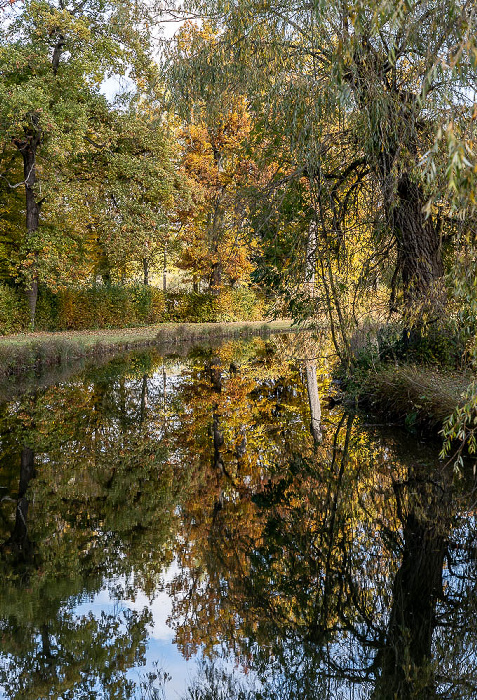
column 209, row 523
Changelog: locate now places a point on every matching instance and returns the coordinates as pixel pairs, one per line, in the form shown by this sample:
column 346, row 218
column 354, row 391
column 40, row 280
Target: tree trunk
column 28, row 148
column 164, row 271
column 419, row 248
column 106, row 277
column 216, row 278
column 310, row 262
column 145, row 267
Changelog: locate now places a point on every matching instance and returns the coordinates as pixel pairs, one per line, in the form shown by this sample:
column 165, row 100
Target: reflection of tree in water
column 94, row 500
column 330, row 563
column 242, row 417
column 329, row 573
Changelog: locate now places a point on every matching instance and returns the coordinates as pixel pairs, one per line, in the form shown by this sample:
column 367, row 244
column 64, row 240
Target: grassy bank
column 408, row 394
column 23, row 352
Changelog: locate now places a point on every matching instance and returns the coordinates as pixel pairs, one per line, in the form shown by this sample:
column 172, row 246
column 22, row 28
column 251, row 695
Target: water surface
column 203, row 525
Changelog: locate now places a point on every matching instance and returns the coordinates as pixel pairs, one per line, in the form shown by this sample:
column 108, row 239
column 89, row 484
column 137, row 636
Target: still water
column 204, row 524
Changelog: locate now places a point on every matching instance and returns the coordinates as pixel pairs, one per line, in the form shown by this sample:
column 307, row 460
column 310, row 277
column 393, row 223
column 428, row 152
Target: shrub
column 46, row 317
column 157, row 308
column 241, row 304
column 441, row 343
column 121, row 306
column 14, row 314
column 195, row 307
column 115, row 306
column 415, row 394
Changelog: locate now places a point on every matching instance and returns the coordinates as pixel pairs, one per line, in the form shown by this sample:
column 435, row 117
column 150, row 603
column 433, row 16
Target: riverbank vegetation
column 37, row 351
column 282, row 158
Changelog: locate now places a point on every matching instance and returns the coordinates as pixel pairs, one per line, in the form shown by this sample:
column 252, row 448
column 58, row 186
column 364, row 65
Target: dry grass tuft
column 416, row 395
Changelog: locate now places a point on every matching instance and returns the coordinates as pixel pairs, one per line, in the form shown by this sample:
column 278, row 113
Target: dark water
column 191, row 527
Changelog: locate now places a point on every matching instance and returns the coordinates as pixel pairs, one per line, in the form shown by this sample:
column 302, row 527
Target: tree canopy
column 325, row 152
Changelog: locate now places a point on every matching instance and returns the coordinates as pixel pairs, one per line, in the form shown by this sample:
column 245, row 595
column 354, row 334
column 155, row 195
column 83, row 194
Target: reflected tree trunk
column 314, row 400
column 215, row 373
column 218, row 442
column 214, row 369
column 405, row 661
column 46, row 642
column 19, row 539
column 123, row 415
column 324, row 607
column 241, row 446
column 144, row 399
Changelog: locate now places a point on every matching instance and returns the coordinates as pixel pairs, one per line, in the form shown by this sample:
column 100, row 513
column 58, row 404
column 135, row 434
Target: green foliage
column 123, row 306
column 110, row 306
column 240, row 304
column 412, row 394
column 460, row 428
column 345, row 119
column 98, row 178
column 441, row 344
column 13, row 311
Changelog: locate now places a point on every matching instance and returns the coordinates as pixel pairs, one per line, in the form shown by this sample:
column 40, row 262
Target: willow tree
column 353, row 93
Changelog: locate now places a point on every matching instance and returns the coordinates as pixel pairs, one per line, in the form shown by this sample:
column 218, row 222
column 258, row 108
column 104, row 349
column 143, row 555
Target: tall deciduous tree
column 54, row 57
column 215, row 158
column 131, row 203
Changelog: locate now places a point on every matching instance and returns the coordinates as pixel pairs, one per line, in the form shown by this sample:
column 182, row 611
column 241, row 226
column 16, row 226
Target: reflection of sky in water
column 161, row 654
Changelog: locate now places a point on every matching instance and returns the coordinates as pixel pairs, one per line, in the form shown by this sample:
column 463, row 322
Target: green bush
column 14, row 315
column 121, row 306
column 440, row 343
column 241, row 304
column 46, row 316
column 115, row 306
column 194, row 307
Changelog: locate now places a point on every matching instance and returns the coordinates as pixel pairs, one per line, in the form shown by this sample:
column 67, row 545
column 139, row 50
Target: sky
column 116, row 84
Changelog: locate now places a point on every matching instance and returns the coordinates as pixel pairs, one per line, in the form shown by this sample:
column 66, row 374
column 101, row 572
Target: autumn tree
column 54, row 58
column 214, row 143
column 131, row 203
column 355, row 92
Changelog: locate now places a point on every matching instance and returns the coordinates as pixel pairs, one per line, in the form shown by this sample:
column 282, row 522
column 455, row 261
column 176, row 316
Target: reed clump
column 412, row 394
